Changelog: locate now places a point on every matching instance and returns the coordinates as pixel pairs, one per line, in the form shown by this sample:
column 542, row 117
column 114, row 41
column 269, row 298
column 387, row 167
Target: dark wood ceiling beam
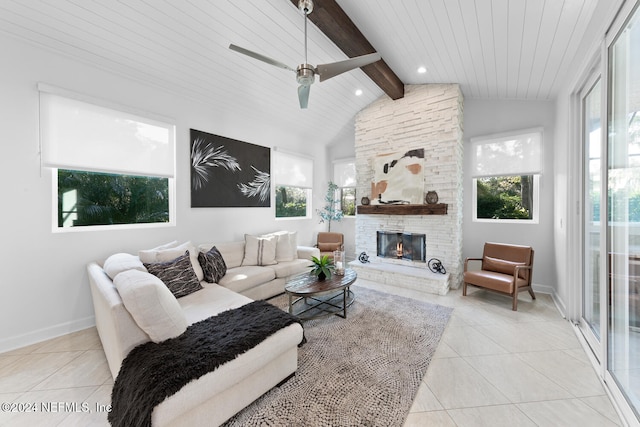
column 332, row 20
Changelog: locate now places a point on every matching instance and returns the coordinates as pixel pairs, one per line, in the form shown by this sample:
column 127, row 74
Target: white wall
column 45, row 289
column 486, row 117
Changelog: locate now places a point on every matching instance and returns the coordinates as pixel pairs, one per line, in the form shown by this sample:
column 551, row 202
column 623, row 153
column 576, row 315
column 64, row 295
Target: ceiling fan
column 305, row 73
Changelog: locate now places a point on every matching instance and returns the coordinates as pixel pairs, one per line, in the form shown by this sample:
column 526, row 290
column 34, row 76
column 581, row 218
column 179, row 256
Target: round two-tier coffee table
column 310, row 298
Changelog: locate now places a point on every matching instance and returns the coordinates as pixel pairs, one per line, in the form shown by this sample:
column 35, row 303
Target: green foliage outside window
column 505, row 197
column 348, row 201
column 89, row 198
column 290, row 202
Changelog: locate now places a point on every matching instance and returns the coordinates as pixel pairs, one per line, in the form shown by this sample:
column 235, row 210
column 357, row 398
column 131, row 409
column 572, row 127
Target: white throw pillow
column 151, row 304
column 165, row 254
column 259, row 250
column 232, row 252
column 117, row 263
column 286, row 245
column 150, row 253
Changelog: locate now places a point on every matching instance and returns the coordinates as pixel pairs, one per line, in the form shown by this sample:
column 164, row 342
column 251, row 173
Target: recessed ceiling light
column 422, row 70
column 358, row 92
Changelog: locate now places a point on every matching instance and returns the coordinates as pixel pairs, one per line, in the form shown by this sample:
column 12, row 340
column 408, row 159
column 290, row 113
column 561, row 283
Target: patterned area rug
column 361, row 371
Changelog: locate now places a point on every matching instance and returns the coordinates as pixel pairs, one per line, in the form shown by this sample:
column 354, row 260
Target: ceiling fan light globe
column 305, row 74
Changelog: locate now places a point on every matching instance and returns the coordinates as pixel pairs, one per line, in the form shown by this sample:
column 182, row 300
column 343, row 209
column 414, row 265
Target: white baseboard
column 44, row 334
column 562, row 308
column 543, row 289
column 550, row 290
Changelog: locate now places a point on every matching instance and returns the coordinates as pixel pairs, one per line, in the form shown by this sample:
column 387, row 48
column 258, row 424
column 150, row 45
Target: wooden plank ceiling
column 495, row 49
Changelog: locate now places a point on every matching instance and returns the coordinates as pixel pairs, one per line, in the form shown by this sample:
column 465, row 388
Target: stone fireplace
column 429, row 117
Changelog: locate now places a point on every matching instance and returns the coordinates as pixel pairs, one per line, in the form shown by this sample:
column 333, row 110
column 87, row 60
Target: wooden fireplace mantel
column 427, row 209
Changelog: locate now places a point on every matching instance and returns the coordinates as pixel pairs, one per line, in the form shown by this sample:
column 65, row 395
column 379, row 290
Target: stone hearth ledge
column 403, row 276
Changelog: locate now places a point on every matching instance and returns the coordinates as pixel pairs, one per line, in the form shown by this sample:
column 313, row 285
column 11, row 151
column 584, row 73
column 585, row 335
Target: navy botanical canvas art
column 229, row 173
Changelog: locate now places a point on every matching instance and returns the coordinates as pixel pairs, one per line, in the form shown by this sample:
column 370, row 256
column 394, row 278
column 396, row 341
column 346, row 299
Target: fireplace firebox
column 408, row 246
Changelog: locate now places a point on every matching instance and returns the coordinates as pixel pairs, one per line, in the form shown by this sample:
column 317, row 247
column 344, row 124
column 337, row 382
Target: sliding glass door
column 623, row 230
column 591, row 100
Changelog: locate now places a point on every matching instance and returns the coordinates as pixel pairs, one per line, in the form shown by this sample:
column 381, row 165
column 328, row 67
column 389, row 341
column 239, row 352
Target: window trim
column 111, row 227
column 307, row 162
column 536, row 205
column 336, row 179
column 355, row 195
column 309, row 211
column 44, row 88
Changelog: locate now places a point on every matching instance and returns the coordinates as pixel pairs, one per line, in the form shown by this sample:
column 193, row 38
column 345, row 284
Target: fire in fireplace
column 408, row 246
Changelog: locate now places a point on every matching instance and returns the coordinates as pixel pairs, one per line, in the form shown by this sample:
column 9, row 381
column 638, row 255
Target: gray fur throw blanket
column 152, row 371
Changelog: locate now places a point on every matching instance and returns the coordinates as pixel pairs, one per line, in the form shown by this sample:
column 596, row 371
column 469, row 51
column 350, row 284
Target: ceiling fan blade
column 260, row 57
column 303, row 95
column 326, row 71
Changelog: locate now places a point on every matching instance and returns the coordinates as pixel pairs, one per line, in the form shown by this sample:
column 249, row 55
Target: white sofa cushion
column 167, row 253
column 151, row 304
column 211, row 300
column 240, row 279
column 259, row 250
column 288, row 268
column 117, row 263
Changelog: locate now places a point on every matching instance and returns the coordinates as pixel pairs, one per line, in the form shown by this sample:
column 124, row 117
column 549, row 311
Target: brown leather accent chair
column 506, row 269
column 328, row 242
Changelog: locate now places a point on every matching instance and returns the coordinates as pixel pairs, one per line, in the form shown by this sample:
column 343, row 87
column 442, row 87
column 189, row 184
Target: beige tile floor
column 493, row 367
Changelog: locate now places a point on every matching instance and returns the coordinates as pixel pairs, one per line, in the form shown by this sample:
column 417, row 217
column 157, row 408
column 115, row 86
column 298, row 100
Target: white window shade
column 344, row 173
column 292, row 171
column 83, row 136
column 514, row 154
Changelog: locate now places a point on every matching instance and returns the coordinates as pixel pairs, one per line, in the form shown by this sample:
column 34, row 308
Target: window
column 293, row 178
column 344, row 176
column 506, row 176
column 112, row 167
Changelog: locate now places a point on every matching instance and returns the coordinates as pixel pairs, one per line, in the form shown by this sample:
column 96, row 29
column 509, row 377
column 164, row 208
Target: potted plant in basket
column 321, row 267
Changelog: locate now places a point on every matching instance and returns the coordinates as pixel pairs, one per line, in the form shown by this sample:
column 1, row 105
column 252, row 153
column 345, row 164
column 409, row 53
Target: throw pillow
column 177, row 275
column 151, row 304
column 259, row 250
column 149, row 255
column 213, row 265
column 117, row 263
column 166, row 253
column 286, row 245
column 232, row 252
column 328, row 247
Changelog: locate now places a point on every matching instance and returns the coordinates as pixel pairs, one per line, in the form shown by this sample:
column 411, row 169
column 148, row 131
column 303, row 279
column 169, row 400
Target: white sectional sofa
column 123, row 324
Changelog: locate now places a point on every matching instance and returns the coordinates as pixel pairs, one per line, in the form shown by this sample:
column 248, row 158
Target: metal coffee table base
column 313, row 307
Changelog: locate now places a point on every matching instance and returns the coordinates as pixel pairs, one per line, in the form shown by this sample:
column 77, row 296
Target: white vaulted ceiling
column 495, row 49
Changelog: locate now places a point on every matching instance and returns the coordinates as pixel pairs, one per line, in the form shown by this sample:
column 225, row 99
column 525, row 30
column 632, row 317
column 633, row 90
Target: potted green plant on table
column 321, row 267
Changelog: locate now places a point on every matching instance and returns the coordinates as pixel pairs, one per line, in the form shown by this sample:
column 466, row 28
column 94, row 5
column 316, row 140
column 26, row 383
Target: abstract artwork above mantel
column 229, row 173
column 398, row 178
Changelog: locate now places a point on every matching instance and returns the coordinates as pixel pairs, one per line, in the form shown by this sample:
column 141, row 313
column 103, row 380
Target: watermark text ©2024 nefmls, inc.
column 53, row 407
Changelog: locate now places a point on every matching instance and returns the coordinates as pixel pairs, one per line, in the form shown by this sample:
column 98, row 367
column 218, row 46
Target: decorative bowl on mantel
column 431, row 198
